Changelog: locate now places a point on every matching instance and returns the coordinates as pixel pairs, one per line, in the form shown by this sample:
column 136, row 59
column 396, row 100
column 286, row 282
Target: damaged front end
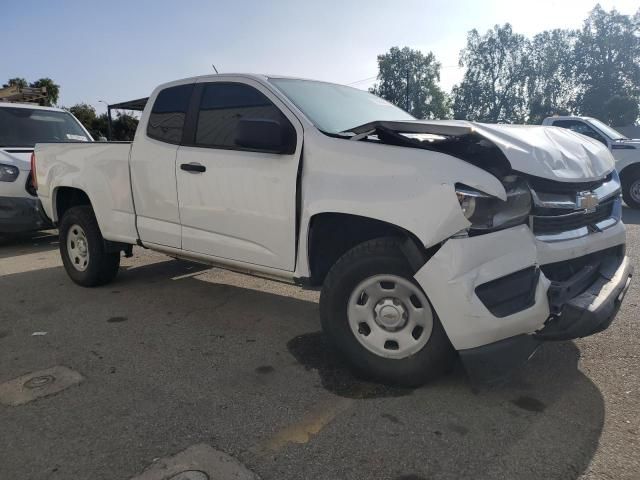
column 545, row 262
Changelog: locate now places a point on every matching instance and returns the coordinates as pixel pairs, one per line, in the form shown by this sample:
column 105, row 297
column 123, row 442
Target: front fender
column 626, row 159
column 410, row 188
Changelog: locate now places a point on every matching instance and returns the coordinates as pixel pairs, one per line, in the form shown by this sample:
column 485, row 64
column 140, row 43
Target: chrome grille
column 559, row 223
column 567, row 210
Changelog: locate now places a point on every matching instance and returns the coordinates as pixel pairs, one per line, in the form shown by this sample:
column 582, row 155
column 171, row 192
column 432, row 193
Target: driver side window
column 223, row 105
column 580, row 127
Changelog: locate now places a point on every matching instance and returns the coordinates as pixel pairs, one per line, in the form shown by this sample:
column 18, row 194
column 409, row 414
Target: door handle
column 193, row 167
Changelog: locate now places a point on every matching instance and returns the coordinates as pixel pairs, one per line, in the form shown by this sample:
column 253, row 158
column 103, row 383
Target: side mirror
column 264, row 134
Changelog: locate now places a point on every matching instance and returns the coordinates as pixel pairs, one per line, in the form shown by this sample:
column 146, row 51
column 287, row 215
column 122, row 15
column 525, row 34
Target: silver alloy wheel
column 390, row 316
column 78, row 248
column 634, row 191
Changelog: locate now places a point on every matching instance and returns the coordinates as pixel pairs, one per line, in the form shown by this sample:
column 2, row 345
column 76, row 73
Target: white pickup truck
column 428, row 238
column 625, row 151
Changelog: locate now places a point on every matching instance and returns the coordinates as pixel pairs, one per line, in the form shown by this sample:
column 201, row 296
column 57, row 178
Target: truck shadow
column 23, row 244
column 262, row 349
column 314, row 352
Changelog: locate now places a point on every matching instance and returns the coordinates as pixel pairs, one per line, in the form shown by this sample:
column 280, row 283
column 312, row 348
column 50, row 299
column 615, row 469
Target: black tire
column 102, row 267
column 375, row 257
column 630, row 177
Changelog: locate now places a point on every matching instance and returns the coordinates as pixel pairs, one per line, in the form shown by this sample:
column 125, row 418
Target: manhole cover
column 39, row 382
column 43, row 383
column 190, row 475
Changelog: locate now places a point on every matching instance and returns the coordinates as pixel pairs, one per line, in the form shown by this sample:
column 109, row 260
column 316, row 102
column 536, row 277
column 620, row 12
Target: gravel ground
column 176, row 357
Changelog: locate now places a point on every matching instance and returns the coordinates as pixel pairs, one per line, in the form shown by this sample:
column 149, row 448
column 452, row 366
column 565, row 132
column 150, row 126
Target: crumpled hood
column 547, row 152
column 550, row 152
column 16, row 160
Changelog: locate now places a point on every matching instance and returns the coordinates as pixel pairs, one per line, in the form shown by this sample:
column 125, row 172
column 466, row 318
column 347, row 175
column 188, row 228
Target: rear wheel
column 375, row 313
column 82, row 249
column 631, row 187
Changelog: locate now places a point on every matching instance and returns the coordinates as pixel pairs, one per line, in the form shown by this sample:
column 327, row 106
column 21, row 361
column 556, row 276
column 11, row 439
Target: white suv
column 21, row 127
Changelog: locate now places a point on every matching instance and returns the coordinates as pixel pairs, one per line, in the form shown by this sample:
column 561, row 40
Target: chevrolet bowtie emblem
column 587, row 201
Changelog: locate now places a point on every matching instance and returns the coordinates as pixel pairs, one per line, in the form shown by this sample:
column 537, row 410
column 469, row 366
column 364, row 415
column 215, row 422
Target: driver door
column 237, row 203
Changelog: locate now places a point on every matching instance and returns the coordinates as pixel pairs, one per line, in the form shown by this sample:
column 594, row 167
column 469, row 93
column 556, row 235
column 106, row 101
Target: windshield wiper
column 356, row 136
column 345, row 133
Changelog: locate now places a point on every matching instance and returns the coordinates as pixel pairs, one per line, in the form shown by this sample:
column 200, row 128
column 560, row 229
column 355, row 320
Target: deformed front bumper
column 607, row 280
column 499, row 296
column 572, row 316
column 21, row 214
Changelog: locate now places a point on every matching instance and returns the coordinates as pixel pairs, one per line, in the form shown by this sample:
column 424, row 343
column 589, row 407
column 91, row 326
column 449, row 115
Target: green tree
column 551, row 83
column 53, row 90
column 124, row 127
column 100, row 127
column 494, row 85
column 622, row 110
column 85, row 113
column 409, row 79
column 21, row 82
column 607, row 55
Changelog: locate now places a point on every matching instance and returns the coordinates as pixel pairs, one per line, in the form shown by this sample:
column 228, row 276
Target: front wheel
column 82, row 249
column 375, row 313
column 631, row 188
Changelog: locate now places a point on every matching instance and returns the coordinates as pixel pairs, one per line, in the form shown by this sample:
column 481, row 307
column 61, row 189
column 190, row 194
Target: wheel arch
column 629, row 169
column 331, row 234
column 65, row 198
column 629, row 175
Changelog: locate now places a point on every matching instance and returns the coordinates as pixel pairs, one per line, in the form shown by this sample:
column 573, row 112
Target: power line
column 363, row 80
column 376, row 76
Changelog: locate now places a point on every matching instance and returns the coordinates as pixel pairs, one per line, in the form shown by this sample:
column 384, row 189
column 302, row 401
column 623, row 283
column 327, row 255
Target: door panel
column 153, row 180
column 243, row 206
column 153, row 166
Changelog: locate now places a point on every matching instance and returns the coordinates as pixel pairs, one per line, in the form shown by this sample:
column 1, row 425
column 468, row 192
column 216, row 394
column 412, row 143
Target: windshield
column 607, row 130
column 336, row 108
column 24, row 127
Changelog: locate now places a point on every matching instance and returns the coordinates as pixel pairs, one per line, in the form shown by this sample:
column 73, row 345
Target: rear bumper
column 21, row 214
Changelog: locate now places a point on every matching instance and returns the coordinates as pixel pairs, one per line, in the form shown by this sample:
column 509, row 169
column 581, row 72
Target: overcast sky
column 120, row 50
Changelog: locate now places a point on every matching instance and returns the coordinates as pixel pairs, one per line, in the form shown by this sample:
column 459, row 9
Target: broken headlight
column 8, row 173
column 486, row 212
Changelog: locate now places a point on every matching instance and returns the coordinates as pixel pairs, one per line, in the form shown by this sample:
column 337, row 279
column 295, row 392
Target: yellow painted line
column 309, row 425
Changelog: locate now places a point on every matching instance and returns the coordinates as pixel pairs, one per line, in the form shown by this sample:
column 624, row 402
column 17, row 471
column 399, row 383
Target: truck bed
column 98, row 167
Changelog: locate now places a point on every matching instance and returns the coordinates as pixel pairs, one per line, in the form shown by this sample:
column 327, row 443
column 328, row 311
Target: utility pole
column 406, row 95
column 108, row 119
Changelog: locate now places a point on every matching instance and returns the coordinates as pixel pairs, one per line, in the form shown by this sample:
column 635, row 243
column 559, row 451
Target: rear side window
column 223, row 105
column 166, row 121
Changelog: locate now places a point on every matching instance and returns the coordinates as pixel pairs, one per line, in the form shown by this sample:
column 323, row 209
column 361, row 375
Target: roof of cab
column 255, row 76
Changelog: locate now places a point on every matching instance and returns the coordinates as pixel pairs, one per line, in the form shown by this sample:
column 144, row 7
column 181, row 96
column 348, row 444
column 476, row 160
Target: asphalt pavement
column 180, row 371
